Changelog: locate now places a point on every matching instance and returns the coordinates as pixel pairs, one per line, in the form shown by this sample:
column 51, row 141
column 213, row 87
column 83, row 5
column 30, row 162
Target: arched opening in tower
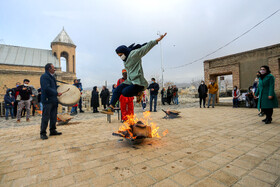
column 64, row 61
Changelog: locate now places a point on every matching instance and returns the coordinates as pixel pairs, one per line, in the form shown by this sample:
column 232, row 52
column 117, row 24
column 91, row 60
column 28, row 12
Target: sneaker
column 55, row 133
column 264, row 120
column 81, row 111
column 43, row 136
column 139, row 97
column 28, row 120
column 109, row 110
column 18, row 121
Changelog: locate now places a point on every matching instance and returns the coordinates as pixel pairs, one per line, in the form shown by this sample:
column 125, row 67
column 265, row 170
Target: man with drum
column 50, row 103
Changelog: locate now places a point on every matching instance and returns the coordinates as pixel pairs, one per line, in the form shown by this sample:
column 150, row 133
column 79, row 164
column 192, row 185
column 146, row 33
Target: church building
column 18, row 63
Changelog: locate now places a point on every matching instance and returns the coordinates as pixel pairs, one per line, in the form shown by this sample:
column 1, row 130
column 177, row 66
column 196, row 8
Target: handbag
column 18, row 97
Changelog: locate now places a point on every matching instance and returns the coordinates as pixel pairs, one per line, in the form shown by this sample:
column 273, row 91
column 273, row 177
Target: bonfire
column 134, row 128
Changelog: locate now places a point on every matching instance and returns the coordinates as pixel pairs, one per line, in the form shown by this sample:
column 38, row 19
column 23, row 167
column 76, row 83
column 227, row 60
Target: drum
column 70, row 95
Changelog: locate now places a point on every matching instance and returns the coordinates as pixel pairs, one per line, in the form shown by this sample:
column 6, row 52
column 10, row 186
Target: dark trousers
column 153, row 97
column 126, row 90
column 163, row 100
column 235, row 102
column 15, row 108
column 202, row 99
column 80, row 104
column 49, row 114
column 268, row 112
column 95, row 109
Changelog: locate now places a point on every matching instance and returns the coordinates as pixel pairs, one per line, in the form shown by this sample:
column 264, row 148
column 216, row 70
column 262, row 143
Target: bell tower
column 63, row 46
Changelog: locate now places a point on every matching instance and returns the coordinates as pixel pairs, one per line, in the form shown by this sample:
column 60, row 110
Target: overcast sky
column 98, row 27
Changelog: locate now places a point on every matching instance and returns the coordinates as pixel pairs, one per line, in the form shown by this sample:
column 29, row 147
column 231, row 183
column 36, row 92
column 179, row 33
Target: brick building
column 243, row 66
column 18, row 63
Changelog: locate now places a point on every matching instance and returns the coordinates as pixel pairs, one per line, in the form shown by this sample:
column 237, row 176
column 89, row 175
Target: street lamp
column 162, row 69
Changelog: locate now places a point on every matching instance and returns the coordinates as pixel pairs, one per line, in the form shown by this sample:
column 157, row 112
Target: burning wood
column 138, row 129
column 170, row 114
column 63, row 119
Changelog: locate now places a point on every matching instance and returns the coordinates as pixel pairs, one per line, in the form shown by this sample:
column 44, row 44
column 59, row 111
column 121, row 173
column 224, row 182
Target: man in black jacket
column 49, row 99
column 153, row 87
column 25, row 92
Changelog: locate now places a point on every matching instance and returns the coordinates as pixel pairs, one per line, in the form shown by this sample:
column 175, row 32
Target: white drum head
column 70, row 95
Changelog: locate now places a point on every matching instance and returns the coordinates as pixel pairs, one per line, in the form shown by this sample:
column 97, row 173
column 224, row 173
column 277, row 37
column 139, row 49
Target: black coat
column 48, row 88
column 104, row 95
column 202, row 90
column 8, row 100
column 94, row 99
column 154, row 86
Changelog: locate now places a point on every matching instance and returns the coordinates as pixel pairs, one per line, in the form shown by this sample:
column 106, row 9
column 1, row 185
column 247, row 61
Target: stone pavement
column 206, row 147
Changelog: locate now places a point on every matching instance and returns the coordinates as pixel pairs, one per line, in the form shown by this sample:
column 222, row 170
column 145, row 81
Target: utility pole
column 161, row 54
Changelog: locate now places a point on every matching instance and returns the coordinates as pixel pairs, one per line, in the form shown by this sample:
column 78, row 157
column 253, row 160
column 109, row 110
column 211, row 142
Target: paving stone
column 224, row 177
column 142, row 180
column 15, row 175
column 84, row 175
column 183, row 178
column 234, row 170
column 198, row 171
column 211, row 166
column 250, row 181
column 208, row 182
column 26, row 181
column 104, row 180
column 159, row 173
column 166, row 183
column 63, row 181
column 264, row 176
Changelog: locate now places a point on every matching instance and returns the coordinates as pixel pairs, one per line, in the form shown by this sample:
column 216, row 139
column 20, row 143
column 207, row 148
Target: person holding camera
column 25, row 92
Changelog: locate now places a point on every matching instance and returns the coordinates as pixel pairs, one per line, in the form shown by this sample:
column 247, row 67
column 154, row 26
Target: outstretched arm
column 146, row 48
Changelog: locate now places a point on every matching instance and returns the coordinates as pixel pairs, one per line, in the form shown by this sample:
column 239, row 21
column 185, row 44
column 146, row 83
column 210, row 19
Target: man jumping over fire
column 127, row 107
column 135, row 83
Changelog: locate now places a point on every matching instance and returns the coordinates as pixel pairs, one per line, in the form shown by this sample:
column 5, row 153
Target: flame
column 146, row 120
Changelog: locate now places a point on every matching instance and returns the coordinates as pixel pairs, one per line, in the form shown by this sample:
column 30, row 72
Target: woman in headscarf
column 95, row 99
column 267, row 97
column 135, row 83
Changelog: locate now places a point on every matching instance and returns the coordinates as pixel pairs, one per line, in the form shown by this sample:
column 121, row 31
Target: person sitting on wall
column 236, row 97
column 250, row 101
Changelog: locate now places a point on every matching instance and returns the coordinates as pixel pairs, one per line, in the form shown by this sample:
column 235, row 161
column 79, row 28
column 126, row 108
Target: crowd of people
column 260, row 95
column 170, row 96
column 19, row 100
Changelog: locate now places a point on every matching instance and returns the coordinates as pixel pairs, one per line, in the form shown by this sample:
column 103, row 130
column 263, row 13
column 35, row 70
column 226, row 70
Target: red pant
column 127, row 107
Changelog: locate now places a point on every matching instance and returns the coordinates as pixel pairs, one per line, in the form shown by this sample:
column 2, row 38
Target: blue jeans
column 153, row 97
column 176, row 100
column 125, row 90
column 41, row 106
column 74, row 109
column 235, row 103
column 213, row 96
column 143, row 105
column 11, row 109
